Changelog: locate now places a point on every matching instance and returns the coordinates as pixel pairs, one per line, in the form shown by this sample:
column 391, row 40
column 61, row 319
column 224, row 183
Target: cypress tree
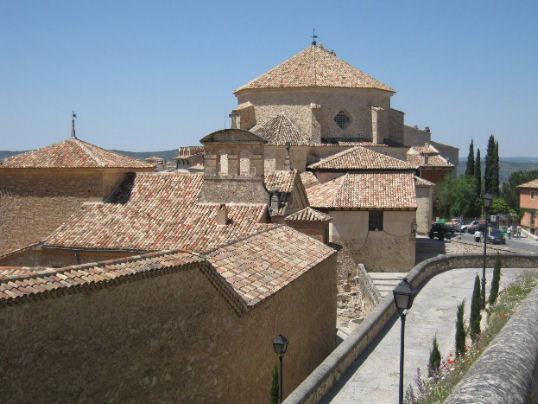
column 460, row 330
column 435, row 359
column 494, row 291
column 495, row 171
column 274, row 387
column 478, row 174
column 470, row 160
column 490, row 167
column 475, row 310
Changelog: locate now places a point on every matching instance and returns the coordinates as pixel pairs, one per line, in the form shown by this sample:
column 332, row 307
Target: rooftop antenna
column 73, row 116
column 314, row 37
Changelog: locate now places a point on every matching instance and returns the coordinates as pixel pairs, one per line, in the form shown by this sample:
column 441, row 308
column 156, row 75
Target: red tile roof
column 365, row 191
column 360, row 158
column 308, row 179
column 280, row 130
column 261, row 264
column 416, row 156
column 314, row 67
column 530, row 184
column 280, row 180
column 73, row 153
column 162, row 213
column 421, row 182
column 308, row 215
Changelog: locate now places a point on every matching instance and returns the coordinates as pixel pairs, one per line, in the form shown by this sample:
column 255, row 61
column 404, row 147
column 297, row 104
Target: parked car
column 464, row 227
column 441, row 230
column 496, row 237
column 481, row 225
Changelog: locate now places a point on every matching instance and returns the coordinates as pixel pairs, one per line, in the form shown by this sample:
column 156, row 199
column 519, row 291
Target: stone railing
column 507, row 371
column 322, row 379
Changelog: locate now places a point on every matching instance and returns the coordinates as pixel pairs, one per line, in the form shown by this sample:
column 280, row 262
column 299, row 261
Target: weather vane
column 73, row 116
column 314, row 36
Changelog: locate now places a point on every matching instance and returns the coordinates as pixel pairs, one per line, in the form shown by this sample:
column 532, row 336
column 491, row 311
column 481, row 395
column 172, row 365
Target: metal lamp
column 280, row 345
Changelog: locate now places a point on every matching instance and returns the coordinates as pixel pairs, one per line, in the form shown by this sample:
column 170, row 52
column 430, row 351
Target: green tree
column 491, row 175
column 478, row 174
column 470, row 160
column 274, row 387
column 460, row 330
column 499, row 206
column 509, row 190
column 475, row 310
column 494, row 291
column 457, row 196
column 435, row 358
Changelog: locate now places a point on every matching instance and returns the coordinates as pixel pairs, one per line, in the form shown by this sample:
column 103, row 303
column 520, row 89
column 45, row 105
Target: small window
column 375, row 220
column 532, row 194
column 342, row 119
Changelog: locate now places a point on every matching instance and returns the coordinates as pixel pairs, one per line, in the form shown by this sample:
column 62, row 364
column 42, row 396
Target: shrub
column 435, row 359
column 475, row 310
column 274, row 387
column 494, row 291
column 460, row 330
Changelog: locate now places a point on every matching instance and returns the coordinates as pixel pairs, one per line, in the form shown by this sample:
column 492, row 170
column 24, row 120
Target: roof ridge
column 84, row 147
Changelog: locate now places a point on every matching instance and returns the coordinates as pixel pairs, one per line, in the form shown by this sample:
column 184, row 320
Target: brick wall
column 166, row 338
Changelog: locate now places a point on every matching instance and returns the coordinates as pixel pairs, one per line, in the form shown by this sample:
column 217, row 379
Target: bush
column 435, row 359
column 475, row 310
column 460, row 330
column 494, row 291
column 274, row 387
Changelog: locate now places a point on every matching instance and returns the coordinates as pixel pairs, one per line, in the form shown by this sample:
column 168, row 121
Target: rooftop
column 280, row 130
column 530, row 184
column 309, row 215
column 315, row 67
column 73, row 153
column 366, row 191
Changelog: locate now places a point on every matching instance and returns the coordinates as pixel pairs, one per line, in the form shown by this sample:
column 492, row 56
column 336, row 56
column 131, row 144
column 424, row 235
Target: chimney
column 222, row 215
column 274, row 203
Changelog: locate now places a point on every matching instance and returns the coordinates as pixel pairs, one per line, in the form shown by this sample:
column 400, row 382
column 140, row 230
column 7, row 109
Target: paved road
column 521, row 244
column 375, row 378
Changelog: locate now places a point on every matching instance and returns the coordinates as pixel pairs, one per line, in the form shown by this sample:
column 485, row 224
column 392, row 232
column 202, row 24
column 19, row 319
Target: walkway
column 376, row 378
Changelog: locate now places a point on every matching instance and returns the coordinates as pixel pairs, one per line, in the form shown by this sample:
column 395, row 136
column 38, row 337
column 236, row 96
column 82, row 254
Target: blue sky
column 156, row 75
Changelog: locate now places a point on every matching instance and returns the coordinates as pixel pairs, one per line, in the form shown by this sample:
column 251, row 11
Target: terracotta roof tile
column 309, row 215
column 280, row 130
column 73, row 153
column 530, row 184
column 360, row 158
column 364, row 191
column 308, row 179
column 329, row 71
column 427, row 156
column 280, row 180
column 421, row 182
column 262, row 264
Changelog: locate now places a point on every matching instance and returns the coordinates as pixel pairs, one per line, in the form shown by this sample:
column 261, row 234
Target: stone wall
column 164, row 338
column 435, row 175
column 297, row 104
column 317, row 230
column 424, row 209
column 314, row 388
column 392, row 249
column 413, row 136
column 507, row 371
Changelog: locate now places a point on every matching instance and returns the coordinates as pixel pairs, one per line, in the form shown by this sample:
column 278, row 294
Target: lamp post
column 280, row 345
column 404, row 294
column 486, row 199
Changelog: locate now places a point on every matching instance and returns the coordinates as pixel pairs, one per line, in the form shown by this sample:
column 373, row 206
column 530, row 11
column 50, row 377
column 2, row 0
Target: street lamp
column 280, row 344
column 404, row 294
column 486, row 199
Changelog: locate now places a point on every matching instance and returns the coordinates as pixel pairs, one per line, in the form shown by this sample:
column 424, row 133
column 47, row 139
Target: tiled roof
column 314, row 67
column 244, row 272
column 365, row 191
column 261, row 264
column 280, row 180
column 416, row 156
column 421, row 182
column 281, row 130
column 360, row 158
column 309, row 215
column 73, row 153
column 530, row 184
column 161, row 213
column 308, row 179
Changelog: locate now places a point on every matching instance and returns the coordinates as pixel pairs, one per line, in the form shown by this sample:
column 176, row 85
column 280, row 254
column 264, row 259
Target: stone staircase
column 385, row 282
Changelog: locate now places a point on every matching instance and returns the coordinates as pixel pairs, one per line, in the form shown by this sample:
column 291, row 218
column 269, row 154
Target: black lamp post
column 486, row 199
column 280, row 344
column 404, row 294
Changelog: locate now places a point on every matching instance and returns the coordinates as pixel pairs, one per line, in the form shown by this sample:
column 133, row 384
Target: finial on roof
column 73, row 116
column 314, row 36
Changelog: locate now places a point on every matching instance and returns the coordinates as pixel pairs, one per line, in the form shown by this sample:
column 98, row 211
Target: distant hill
column 507, row 165
column 168, row 155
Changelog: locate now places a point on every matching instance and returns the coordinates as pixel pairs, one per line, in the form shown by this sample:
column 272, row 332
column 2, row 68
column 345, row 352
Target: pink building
column 528, row 201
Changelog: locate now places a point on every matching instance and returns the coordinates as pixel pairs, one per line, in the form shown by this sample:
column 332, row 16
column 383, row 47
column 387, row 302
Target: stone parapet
column 324, row 377
column 507, row 371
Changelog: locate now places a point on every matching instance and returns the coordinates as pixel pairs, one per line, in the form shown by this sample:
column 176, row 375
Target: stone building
column 40, row 189
column 429, row 163
column 528, row 202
